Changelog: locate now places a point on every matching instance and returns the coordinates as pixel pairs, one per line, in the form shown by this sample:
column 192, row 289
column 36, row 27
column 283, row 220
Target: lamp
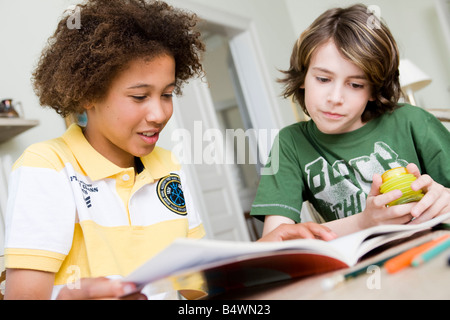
column 412, row 79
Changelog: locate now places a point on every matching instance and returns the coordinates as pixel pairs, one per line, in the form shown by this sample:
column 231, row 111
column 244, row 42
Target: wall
column 24, row 29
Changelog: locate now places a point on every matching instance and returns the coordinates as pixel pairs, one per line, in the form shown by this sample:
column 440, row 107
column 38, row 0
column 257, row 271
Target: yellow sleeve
column 33, row 259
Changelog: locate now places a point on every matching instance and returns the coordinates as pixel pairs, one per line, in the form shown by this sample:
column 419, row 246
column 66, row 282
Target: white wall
column 25, row 26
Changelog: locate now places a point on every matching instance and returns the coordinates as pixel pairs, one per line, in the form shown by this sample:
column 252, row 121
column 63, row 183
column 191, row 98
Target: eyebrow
column 145, row 85
column 358, row 76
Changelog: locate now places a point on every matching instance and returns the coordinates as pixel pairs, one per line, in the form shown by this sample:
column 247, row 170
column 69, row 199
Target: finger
column 281, row 233
column 433, row 209
column 80, row 290
column 376, row 184
column 96, row 288
column 423, row 182
column 107, row 289
column 413, row 169
column 322, row 232
column 384, row 199
column 289, row 232
column 296, row 231
column 433, row 195
column 134, row 296
column 399, row 214
column 404, row 219
column 314, row 230
column 430, row 214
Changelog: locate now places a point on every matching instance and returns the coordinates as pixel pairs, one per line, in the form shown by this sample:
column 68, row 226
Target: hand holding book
column 306, row 230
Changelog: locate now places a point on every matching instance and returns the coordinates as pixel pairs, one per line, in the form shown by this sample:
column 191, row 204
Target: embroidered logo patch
column 170, row 192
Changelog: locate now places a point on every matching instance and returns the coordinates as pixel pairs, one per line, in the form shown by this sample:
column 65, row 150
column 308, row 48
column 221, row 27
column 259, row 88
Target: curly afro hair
column 78, row 65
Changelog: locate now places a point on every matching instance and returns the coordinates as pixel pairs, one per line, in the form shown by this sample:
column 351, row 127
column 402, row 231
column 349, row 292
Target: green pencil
column 332, row 282
column 431, row 253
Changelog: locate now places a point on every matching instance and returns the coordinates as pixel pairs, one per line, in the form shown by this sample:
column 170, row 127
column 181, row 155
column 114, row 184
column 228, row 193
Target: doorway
column 233, row 118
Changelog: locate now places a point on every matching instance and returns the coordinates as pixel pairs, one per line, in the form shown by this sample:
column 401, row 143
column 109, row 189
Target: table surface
column 428, row 281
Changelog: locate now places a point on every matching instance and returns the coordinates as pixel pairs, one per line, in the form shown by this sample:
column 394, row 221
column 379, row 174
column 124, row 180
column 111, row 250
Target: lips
column 333, row 116
column 149, row 137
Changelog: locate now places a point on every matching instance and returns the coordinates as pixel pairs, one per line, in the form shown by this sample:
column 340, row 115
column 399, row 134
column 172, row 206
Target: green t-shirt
column 334, row 172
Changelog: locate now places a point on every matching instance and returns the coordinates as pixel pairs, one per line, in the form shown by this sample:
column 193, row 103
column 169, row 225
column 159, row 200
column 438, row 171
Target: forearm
column 24, row 284
column 346, row 225
column 273, row 222
column 277, row 228
column 340, row 226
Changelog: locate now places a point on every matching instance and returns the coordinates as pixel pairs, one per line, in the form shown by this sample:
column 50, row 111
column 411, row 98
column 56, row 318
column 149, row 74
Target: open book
column 225, row 265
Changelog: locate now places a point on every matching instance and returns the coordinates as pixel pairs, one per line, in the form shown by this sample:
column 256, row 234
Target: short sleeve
column 280, row 189
column 40, row 215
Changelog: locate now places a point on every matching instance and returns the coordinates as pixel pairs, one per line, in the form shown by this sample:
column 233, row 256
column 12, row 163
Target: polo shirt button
column 125, row 177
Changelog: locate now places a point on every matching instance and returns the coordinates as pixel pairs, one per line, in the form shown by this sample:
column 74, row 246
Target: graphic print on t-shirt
column 341, row 188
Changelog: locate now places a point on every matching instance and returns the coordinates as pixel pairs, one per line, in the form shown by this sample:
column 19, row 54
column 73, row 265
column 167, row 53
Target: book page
column 355, row 245
column 184, row 254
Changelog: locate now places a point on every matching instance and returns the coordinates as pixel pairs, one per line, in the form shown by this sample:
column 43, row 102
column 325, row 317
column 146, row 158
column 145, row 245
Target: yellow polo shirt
column 73, row 212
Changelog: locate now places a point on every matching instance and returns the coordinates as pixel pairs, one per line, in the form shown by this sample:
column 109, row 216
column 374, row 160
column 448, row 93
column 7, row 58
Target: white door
column 198, row 143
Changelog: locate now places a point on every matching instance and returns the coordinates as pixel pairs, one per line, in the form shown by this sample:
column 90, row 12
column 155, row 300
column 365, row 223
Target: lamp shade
column 411, row 77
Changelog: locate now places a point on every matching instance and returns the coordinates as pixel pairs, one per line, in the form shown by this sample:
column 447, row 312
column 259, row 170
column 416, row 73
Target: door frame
column 249, row 59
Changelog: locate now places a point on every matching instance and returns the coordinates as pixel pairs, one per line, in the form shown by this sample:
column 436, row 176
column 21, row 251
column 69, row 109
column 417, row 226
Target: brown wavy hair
column 364, row 41
column 78, row 65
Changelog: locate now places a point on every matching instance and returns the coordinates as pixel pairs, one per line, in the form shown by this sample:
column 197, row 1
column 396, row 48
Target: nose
column 158, row 112
column 336, row 95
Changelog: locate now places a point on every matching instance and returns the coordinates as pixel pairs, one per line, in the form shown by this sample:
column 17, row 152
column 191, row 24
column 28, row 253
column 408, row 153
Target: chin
column 144, row 152
column 328, row 130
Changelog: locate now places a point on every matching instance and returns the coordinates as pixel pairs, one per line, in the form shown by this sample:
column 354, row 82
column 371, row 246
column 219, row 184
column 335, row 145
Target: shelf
column 11, row 127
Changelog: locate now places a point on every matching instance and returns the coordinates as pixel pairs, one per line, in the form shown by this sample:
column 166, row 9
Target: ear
column 88, row 106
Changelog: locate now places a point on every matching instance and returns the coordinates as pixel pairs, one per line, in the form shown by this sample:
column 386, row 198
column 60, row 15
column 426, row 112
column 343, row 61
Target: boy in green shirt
column 344, row 74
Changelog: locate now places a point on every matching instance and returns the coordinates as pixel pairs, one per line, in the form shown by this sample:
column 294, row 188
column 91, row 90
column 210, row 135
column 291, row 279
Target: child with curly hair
column 344, row 74
column 102, row 199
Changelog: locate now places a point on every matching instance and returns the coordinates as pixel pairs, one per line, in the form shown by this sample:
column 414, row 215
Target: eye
column 356, row 85
column 139, row 98
column 322, row 79
column 168, row 95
